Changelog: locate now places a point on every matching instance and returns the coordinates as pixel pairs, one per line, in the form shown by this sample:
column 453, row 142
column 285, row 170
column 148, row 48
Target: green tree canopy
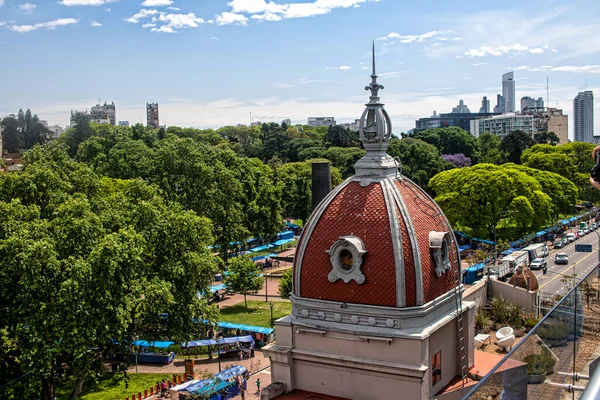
column 244, row 276
column 514, row 144
column 451, row 140
column 286, row 285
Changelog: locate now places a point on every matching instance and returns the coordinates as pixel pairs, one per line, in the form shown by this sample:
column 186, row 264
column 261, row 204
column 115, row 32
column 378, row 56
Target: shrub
column 482, row 320
column 536, row 364
column 554, row 331
column 499, row 312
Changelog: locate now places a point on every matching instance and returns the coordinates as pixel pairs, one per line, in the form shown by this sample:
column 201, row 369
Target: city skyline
column 289, row 60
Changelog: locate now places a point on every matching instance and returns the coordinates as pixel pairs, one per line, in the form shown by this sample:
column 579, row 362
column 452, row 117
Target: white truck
column 509, row 264
column 538, row 250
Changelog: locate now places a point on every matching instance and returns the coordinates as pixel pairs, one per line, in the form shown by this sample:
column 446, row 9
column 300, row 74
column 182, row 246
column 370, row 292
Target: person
column 252, row 352
column 258, row 385
column 163, row 388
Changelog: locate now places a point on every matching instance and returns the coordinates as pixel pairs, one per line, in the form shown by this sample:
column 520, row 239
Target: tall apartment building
column 503, row 124
column 531, row 104
column 321, row 121
column 500, row 107
column 485, row 106
column 152, row 115
column 583, row 116
column 104, row 114
column 508, row 91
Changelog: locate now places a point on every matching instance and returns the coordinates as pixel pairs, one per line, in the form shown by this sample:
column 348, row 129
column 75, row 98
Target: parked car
column 560, row 243
column 581, row 233
column 538, row 263
column 594, row 226
column 561, row 258
column 571, row 237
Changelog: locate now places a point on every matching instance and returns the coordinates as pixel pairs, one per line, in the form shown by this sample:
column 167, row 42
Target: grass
column 112, row 386
column 258, row 313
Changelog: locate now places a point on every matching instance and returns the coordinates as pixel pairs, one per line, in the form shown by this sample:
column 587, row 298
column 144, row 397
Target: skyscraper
column 508, row 91
column 530, row 104
column 583, row 116
column 485, row 105
column 152, row 115
column 500, row 107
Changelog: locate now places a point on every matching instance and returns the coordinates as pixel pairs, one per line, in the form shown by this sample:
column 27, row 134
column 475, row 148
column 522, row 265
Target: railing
column 555, row 360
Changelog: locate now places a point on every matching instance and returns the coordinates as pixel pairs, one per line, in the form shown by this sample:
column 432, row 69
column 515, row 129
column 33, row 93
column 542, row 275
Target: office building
column 531, row 104
column 321, row 121
column 443, row 120
column 500, row 107
column 152, row 115
column 502, row 124
column 583, row 116
column 550, row 120
column 485, row 106
column 461, row 108
column 123, row 123
column 287, row 121
column 508, row 92
column 104, row 114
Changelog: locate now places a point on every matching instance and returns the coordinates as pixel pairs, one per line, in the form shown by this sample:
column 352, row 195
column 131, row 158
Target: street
column 579, row 263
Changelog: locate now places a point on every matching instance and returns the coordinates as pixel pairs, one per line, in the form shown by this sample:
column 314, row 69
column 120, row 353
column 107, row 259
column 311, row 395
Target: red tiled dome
column 383, row 212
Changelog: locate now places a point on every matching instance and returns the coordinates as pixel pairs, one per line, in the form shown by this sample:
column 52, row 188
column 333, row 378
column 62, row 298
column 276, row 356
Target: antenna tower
column 547, row 92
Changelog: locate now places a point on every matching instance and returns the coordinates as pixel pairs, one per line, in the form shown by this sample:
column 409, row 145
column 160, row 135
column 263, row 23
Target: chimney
column 321, row 182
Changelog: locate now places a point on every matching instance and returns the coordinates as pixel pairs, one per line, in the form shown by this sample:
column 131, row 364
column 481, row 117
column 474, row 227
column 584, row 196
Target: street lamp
column 219, row 338
column 271, row 305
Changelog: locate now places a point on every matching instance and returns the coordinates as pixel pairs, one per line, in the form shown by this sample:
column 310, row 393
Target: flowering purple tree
column 459, row 160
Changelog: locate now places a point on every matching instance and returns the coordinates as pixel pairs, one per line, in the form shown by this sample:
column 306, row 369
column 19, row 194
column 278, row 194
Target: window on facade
column 436, row 368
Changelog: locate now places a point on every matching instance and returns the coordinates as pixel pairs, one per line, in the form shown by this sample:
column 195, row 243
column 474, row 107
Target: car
column 581, row 233
column 560, row 243
column 571, row 237
column 594, row 226
column 561, row 258
column 587, row 230
column 538, row 263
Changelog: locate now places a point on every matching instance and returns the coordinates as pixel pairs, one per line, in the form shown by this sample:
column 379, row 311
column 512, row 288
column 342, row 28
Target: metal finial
column 373, row 57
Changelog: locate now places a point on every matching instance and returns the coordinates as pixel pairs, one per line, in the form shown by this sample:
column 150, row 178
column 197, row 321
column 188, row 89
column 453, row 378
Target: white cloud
column 283, row 85
column 267, row 17
column 213, row 38
column 142, row 14
column 396, row 37
column 266, row 10
column 227, row 18
column 27, row 7
column 95, row 23
column 590, row 69
column 48, row 25
column 157, row 3
column 341, row 68
column 164, row 29
column 107, row 9
column 174, row 8
column 70, row 3
column 1, row 3
column 148, row 25
column 255, row 6
column 514, row 49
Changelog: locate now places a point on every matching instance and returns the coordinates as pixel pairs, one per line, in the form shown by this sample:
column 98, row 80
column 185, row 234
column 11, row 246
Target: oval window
column 346, row 260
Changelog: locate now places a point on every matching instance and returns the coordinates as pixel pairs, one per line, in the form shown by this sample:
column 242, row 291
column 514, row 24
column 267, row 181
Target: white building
column 461, row 108
column 583, row 116
column 321, row 121
column 104, row 114
column 508, row 92
column 503, row 124
column 56, row 130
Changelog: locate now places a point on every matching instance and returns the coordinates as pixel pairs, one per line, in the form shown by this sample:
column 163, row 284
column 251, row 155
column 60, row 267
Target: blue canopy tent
column 285, row 235
column 231, row 372
column 212, row 342
column 260, row 258
column 247, row 328
column 293, row 226
column 281, row 242
column 215, row 288
column 261, row 248
column 158, row 344
column 508, row 251
column 473, row 273
column 485, row 241
column 461, row 234
column 464, row 247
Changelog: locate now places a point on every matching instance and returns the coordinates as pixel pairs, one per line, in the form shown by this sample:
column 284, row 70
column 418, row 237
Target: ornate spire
column 375, row 130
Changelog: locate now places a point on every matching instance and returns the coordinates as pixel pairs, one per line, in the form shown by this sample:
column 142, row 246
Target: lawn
column 258, row 313
column 112, row 387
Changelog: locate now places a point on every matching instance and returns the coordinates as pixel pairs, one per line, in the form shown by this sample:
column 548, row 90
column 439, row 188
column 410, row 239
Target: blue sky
column 210, row 63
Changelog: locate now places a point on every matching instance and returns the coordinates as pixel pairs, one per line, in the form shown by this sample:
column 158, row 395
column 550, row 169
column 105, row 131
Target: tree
column 338, row 136
column 286, row 285
column 12, row 139
column 490, row 149
column 451, row 140
column 458, row 160
column 244, row 276
column 420, row 161
column 77, row 134
column 514, row 143
column 89, row 262
column 546, row 138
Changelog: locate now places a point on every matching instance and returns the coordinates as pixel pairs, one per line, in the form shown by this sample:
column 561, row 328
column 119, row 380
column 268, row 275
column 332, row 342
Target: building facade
column 508, row 92
column 123, row 123
column 353, row 126
column 104, row 114
column 500, row 107
column 321, row 121
column 583, row 116
column 287, row 121
column 551, row 120
column 56, row 130
column 503, row 124
column 529, row 104
column 445, row 120
column 461, row 108
column 375, row 299
column 152, row 115
column 485, row 106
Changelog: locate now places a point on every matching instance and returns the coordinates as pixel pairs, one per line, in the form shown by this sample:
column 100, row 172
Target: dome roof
column 377, row 239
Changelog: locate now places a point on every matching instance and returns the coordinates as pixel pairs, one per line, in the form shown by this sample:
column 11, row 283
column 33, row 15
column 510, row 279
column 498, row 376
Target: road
column 579, row 263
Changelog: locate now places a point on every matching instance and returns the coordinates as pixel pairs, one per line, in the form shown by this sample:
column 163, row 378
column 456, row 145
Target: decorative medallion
column 346, row 259
column 439, row 244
